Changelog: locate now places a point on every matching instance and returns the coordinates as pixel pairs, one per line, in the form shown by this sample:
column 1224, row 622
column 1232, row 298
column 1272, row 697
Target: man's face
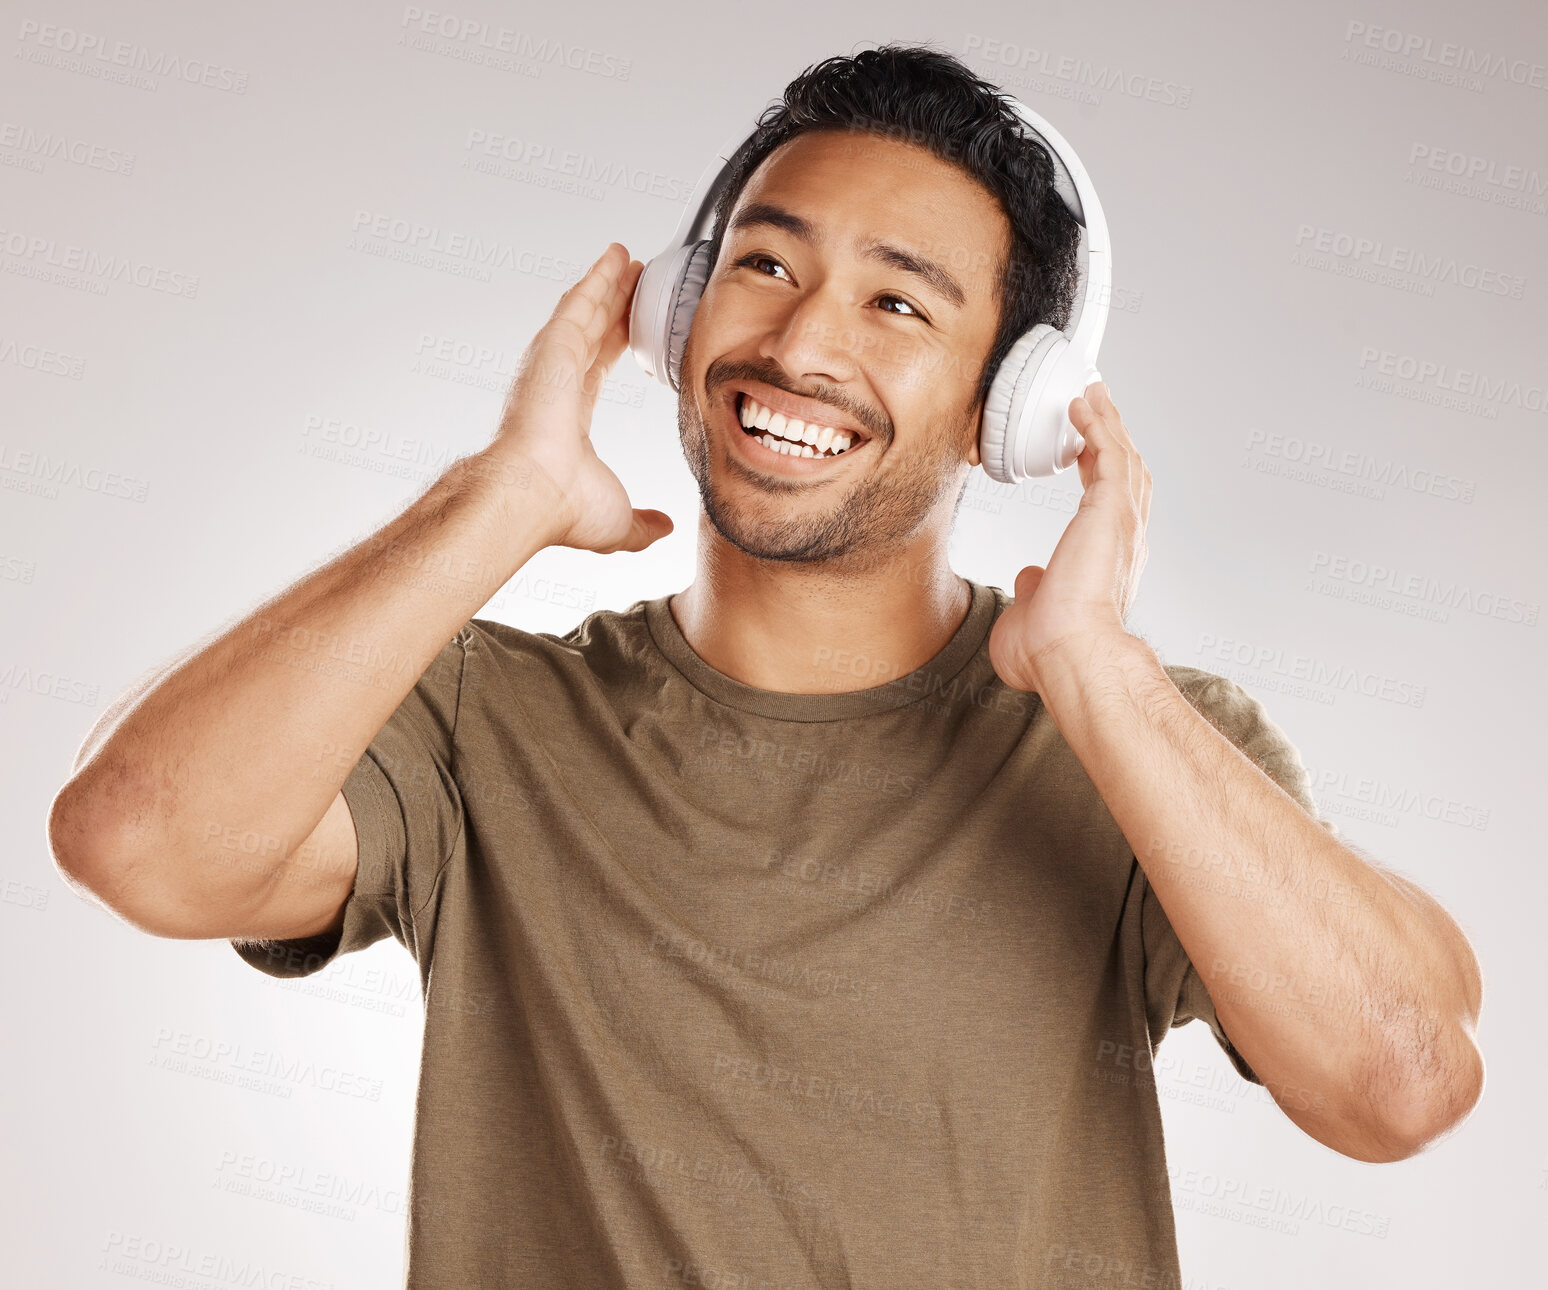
column 818, row 306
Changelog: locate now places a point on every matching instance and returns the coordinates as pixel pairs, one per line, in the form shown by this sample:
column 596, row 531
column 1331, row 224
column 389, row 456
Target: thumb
column 648, row 527
column 1027, row 580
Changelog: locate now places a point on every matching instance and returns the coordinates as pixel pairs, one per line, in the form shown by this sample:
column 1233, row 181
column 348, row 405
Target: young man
column 815, row 925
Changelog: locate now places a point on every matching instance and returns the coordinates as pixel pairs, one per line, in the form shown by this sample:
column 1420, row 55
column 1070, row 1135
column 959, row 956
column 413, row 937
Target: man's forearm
column 255, row 732
column 1368, row 1000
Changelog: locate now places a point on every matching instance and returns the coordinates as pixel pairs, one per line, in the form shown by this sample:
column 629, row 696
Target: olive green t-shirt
column 728, row 987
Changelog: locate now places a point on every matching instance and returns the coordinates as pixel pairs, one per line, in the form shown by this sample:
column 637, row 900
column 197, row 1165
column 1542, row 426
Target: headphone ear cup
column 1002, row 425
column 685, row 304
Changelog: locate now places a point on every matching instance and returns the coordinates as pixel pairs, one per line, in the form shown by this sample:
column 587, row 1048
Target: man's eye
column 913, row 308
column 755, row 258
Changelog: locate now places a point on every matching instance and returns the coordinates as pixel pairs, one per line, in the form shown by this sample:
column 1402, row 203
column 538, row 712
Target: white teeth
column 790, row 449
column 790, row 435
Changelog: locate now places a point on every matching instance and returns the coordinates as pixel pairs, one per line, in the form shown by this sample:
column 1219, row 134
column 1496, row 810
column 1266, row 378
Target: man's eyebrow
column 768, row 215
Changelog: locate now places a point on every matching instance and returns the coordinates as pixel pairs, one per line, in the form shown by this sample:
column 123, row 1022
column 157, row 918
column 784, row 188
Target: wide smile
column 757, row 446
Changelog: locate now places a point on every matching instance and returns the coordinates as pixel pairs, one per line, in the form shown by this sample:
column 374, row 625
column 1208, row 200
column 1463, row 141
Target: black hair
column 918, row 95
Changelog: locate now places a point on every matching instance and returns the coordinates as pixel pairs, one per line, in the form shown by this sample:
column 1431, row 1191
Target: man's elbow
column 93, row 857
column 1414, row 1114
column 74, row 839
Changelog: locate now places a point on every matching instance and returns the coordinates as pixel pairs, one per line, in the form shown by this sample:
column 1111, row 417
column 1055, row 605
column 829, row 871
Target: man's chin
column 756, row 529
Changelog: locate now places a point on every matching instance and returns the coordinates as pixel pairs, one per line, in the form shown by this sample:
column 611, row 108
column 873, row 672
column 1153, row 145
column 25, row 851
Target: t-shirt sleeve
column 407, row 809
column 1174, row 990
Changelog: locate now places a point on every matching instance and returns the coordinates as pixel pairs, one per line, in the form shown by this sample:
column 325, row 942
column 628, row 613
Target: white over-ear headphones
column 1025, row 429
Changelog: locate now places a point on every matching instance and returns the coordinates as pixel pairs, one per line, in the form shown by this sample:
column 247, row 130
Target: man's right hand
column 546, row 422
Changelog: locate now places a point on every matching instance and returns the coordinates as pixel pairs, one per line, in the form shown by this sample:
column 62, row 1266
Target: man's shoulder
column 1246, row 721
column 1195, row 681
column 1228, row 705
column 600, row 640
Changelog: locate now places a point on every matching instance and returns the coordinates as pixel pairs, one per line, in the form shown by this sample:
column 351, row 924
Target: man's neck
column 803, row 629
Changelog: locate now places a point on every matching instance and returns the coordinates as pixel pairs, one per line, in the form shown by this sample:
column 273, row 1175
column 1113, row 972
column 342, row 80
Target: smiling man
column 816, row 925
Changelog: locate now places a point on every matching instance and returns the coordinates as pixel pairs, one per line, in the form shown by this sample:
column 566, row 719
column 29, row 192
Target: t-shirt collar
column 921, row 683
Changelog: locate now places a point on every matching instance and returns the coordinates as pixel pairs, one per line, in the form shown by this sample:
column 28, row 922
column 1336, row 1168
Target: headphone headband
column 1071, row 183
column 1089, row 318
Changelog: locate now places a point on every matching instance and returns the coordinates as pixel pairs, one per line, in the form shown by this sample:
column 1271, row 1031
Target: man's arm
column 207, row 803
column 1369, row 1004
column 1370, row 1000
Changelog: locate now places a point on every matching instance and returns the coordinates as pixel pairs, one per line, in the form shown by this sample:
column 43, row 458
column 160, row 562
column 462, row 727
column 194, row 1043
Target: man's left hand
column 1083, row 596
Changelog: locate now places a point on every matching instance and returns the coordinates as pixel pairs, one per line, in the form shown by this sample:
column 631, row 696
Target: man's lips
column 809, row 411
column 754, row 450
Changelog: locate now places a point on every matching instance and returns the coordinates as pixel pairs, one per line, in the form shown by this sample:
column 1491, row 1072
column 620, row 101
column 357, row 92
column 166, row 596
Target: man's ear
column 975, row 424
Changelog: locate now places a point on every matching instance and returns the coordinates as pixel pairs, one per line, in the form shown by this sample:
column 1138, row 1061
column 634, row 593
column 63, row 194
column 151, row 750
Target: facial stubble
column 884, row 507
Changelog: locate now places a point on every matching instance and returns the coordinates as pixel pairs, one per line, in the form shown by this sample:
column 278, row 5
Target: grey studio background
column 242, row 327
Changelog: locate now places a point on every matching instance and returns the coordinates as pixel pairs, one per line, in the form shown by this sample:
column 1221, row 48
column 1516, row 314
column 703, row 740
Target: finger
column 582, row 316
column 645, row 527
column 1027, row 581
column 1139, row 476
column 617, row 338
column 595, row 286
column 1114, row 455
column 1093, row 427
column 1085, row 460
column 1101, row 399
column 1082, row 412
